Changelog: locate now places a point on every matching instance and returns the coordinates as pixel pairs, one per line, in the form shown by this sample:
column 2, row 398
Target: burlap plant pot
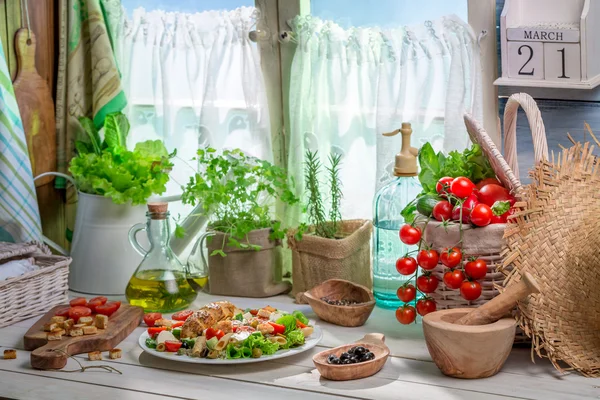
column 316, row 259
column 483, row 242
column 246, row 273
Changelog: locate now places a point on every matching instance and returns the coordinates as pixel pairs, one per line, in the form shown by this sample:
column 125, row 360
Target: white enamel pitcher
column 103, row 260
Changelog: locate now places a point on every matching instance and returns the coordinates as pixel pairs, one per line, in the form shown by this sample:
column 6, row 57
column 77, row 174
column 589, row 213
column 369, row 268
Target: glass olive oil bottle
column 159, row 283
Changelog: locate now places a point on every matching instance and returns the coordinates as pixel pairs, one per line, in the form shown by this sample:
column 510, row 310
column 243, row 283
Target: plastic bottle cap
column 406, row 160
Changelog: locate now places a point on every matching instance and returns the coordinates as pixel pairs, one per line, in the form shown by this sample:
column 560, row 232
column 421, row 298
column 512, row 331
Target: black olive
column 184, row 345
column 352, row 350
column 332, row 358
column 346, row 361
column 360, row 350
column 345, row 356
column 370, row 355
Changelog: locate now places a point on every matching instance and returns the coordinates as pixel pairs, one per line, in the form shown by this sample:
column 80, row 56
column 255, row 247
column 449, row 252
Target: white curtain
column 193, row 80
column 349, row 86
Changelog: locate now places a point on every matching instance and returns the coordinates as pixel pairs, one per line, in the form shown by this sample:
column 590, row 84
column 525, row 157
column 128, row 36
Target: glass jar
column 159, row 284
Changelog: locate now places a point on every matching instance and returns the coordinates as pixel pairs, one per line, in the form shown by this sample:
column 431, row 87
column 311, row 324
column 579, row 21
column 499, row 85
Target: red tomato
column 454, row 278
column 502, row 219
column 427, row 283
column 425, row 306
column 212, row 332
column 487, row 181
column 278, row 328
column 406, row 314
column 108, row 309
column 254, row 312
column 470, row 290
column 410, row 235
column 177, row 324
column 451, row 257
column 442, row 211
column 92, row 304
column 79, row 301
column 428, row 259
column 300, row 325
column 461, row 187
column 155, row 330
column 150, row 318
column 182, row 315
column 406, row 293
column 406, row 266
column 78, row 312
column 63, row 312
column 481, row 215
column 466, row 215
column 172, row 345
column 443, row 185
column 476, row 269
column 100, row 299
column 489, row 194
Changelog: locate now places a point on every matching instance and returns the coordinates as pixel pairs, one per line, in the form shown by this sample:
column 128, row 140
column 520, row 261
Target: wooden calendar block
column 562, row 62
column 526, row 60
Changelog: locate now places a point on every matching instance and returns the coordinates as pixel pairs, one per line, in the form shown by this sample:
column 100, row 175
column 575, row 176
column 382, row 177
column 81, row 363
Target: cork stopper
column 158, row 210
column 406, row 160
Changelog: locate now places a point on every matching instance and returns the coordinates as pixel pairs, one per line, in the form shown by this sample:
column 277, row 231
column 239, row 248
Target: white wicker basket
column 34, row 293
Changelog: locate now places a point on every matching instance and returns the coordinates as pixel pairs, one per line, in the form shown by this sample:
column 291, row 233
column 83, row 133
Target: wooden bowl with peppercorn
column 340, row 302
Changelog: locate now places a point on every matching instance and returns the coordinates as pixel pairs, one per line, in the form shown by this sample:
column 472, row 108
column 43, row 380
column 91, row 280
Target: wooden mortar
column 475, row 343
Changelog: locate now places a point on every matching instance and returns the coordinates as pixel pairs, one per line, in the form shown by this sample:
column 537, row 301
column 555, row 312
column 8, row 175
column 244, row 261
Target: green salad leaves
column 471, row 163
column 109, row 169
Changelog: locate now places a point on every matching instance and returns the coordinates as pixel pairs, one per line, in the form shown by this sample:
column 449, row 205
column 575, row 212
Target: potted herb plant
column 330, row 246
column 238, row 193
column 113, row 183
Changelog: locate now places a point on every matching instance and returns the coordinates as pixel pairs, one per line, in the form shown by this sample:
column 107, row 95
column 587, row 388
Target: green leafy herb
column 295, row 338
column 500, row 207
column 289, row 321
column 300, row 317
column 238, row 192
column 150, row 343
column 109, row 169
column 189, row 343
column 239, row 317
column 177, row 333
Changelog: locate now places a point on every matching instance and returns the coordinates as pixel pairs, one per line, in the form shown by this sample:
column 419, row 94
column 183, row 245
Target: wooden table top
column 408, row 374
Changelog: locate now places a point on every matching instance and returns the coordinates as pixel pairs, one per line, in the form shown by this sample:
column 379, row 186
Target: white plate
column 310, row 342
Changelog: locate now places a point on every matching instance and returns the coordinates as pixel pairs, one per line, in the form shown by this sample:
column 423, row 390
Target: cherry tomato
column 79, row 311
column 406, row 266
column 466, row 214
column 425, row 306
column 476, row 269
column 442, row 211
column 491, row 193
column 427, row 283
column 155, row 330
column 443, row 185
column 300, row 325
column 470, row 290
column 108, row 309
column 454, row 278
column 451, row 257
column 410, row 235
column 278, row 328
column 487, row 181
column 100, row 299
column 461, row 187
column 177, row 324
column 150, row 318
column 62, row 312
column 254, row 312
column 502, row 219
column 406, row 314
column 79, row 301
column 481, row 215
column 182, row 315
column 406, row 293
column 92, row 304
column 428, row 259
column 212, row 332
column 172, row 345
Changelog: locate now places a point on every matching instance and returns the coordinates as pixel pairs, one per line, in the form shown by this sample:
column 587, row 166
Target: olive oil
column 197, row 282
column 157, row 290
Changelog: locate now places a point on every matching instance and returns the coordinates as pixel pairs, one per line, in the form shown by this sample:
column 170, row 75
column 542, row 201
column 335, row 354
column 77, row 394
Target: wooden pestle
column 500, row 305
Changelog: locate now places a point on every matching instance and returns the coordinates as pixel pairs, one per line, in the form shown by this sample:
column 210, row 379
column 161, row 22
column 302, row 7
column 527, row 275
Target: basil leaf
column 430, row 168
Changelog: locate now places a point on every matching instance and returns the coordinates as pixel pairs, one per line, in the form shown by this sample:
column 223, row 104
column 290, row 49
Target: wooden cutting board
column 36, row 107
column 44, row 354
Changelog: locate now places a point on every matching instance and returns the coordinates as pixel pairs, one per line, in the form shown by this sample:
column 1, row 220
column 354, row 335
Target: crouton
column 90, row 330
column 101, row 321
column 10, row 354
column 79, row 326
column 163, row 322
column 58, row 330
column 264, row 313
column 68, row 324
column 54, row 336
column 50, row 326
column 86, row 321
column 95, row 356
column 114, row 354
column 57, row 319
column 76, row 332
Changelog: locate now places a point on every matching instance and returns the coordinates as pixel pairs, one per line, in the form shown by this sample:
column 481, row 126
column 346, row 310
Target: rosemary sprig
column 335, row 215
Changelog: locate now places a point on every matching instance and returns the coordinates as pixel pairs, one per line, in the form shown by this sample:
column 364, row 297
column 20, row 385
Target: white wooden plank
column 24, row 387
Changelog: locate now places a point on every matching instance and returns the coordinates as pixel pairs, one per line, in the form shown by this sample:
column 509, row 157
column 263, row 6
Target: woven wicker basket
column 34, row 293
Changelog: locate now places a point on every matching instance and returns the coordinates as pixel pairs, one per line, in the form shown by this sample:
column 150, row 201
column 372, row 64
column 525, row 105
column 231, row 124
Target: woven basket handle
column 538, row 131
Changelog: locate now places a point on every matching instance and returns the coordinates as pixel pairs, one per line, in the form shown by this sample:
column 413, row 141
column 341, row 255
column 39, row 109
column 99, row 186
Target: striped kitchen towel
column 19, row 213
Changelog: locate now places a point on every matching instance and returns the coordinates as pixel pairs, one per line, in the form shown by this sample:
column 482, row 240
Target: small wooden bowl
column 338, row 289
column 335, row 372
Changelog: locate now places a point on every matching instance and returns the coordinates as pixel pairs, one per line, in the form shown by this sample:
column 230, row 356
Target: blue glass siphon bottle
column 389, row 202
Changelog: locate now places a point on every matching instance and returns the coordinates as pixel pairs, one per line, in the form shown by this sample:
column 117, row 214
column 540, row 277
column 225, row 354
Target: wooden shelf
column 536, row 83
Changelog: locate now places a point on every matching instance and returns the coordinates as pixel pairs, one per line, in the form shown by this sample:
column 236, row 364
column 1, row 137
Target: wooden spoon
column 336, row 372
